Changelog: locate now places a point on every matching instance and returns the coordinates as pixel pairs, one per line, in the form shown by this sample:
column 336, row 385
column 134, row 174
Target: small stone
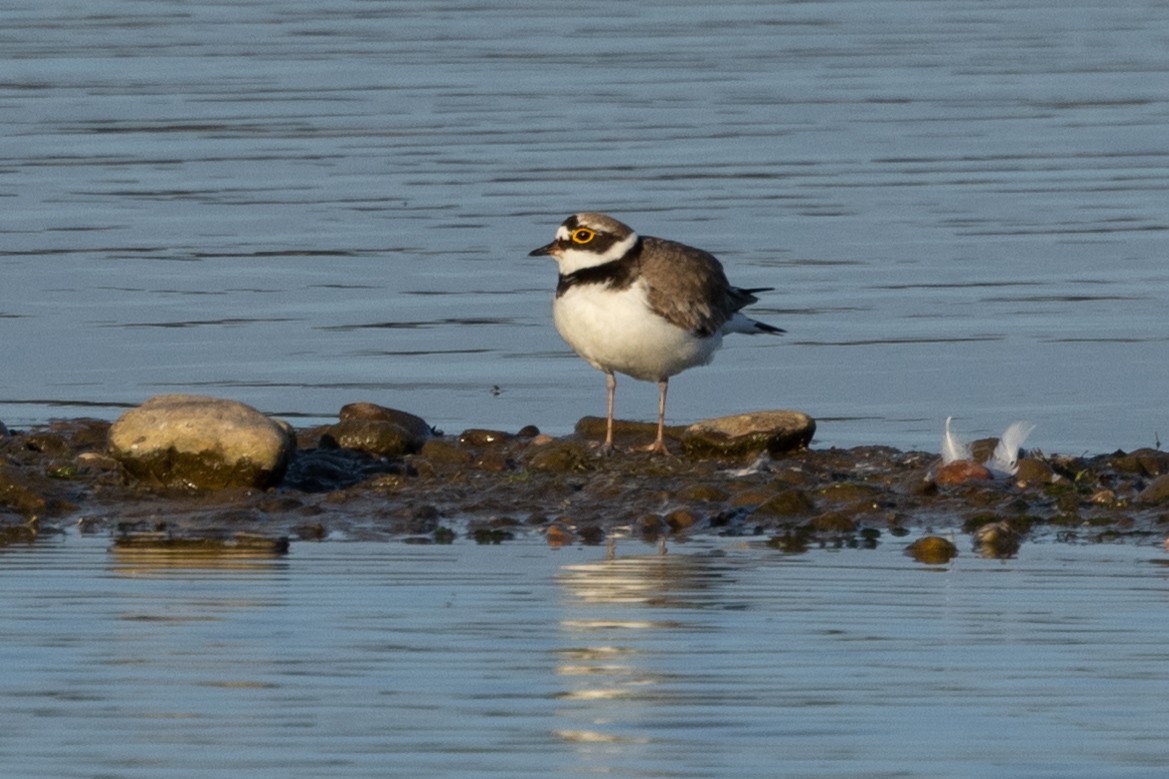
column 17, row 494
column 998, row 540
column 624, row 430
column 415, row 425
column 560, row 457
column 494, row 460
column 917, row 483
column 1156, row 492
column 649, row 526
column 1033, row 471
column 1143, row 462
column 201, row 442
column 960, row 472
column 832, row 522
column 559, row 535
column 591, row 534
column 775, row 432
column 848, row 492
column 478, row 437
column 47, row 443
column 789, row 503
column 702, row 492
column 373, row 436
column 445, row 450
column 932, row 550
column 682, row 519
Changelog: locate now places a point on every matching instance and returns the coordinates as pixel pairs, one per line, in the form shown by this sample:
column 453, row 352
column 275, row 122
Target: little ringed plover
column 642, row 306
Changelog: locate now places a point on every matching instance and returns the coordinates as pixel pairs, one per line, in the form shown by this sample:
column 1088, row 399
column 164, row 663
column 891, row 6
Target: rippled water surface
column 303, row 204
column 718, row 659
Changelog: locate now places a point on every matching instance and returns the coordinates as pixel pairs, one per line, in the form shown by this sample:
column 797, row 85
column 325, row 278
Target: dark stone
column 832, row 522
column 642, row 433
column 789, row 503
column 1034, row 471
column 1144, row 462
column 559, row 457
column 932, row 550
column 1156, row 492
column 444, row 450
column 374, row 436
column 478, row 437
column 17, row 494
column 414, row 425
column 682, row 519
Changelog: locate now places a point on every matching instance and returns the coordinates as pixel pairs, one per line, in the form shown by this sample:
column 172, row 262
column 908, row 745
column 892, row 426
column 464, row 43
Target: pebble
column 378, row 437
column 932, row 550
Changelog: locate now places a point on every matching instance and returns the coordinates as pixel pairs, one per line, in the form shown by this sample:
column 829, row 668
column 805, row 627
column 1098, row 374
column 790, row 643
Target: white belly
column 616, row 331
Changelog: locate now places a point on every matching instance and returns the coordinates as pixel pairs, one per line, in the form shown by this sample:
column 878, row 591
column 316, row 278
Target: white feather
column 1005, row 459
column 953, row 449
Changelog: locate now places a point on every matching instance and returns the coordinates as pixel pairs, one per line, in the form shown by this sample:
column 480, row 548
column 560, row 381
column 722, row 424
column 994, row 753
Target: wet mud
column 492, row 486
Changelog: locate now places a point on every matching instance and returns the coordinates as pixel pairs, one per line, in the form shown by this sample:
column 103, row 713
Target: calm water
column 719, row 659
column 303, row 204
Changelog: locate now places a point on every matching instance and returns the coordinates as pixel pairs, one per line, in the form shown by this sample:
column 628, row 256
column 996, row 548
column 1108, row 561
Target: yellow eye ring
column 582, row 235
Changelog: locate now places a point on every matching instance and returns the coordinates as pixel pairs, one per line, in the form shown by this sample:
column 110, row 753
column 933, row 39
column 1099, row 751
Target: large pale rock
column 775, row 432
column 202, row 442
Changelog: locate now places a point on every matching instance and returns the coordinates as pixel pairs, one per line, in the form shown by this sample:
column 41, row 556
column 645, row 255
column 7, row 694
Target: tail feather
column 741, row 323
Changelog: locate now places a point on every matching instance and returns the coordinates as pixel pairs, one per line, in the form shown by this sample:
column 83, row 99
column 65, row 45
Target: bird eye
column 582, row 235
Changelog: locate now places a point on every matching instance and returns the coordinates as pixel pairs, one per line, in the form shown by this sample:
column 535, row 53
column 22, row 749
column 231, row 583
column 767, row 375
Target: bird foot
column 657, row 447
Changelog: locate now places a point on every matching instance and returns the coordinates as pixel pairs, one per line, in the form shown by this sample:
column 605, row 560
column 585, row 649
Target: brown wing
column 691, row 290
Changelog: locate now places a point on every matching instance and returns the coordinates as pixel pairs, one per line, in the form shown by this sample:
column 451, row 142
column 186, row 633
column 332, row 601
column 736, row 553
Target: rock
column 789, row 503
column 494, row 460
column 1144, row 462
column 1156, row 492
column 702, row 492
column 373, row 436
column 1033, row 471
column 775, row 432
column 559, row 457
column 932, row 550
column 444, row 450
column 416, row 426
column 18, row 495
column 832, row 522
column 681, row 519
column 997, row 540
column 960, row 472
column 201, row 442
column 593, row 428
column 649, row 526
column 479, row 437
column 559, row 535
column 211, row 543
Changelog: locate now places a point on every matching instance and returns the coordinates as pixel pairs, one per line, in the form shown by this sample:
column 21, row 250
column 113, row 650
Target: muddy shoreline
column 491, row 486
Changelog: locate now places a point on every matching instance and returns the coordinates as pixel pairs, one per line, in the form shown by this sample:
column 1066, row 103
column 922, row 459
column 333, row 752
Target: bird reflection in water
column 617, row 631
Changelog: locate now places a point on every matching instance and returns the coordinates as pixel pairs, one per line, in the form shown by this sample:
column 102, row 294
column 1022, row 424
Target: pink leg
column 611, row 384
column 659, row 445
